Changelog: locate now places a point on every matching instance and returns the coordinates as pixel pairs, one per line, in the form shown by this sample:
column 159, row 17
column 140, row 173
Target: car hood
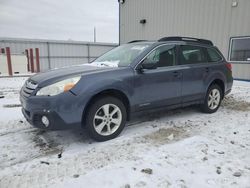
column 55, row 75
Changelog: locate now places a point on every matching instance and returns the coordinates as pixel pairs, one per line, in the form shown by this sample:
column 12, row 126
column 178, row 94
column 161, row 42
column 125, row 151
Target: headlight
column 58, row 87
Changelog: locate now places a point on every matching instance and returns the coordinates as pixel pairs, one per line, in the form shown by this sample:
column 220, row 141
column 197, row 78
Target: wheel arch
column 220, row 83
column 108, row 92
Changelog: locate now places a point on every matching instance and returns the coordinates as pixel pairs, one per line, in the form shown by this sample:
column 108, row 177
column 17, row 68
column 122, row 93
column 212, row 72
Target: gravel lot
column 178, row 148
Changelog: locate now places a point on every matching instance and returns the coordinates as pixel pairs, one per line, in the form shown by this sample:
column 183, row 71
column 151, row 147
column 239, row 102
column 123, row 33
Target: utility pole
column 94, row 34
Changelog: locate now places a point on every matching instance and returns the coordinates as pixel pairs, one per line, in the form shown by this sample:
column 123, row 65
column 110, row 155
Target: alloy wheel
column 107, row 119
column 214, row 99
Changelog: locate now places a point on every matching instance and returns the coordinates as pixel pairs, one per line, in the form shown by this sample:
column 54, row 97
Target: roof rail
column 136, row 41
column 187, row 39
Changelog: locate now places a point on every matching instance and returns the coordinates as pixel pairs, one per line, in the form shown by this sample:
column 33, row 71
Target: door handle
column 207, row 69
column 177, row 74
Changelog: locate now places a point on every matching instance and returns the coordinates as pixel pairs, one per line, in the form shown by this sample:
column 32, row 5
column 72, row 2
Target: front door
column 158, row 83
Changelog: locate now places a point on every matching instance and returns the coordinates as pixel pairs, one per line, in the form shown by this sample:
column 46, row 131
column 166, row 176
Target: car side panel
column 158, row 87
column 197, row 79
column 218, row 72
column 193, row 87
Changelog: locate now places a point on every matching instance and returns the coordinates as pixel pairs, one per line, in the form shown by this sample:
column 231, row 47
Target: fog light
column 45, row 121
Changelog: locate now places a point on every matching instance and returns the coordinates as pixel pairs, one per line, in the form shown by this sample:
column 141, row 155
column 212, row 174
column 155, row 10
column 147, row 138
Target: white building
column 225, row 22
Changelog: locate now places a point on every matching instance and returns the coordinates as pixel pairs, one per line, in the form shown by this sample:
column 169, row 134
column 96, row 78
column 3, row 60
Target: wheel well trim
column 215, row 81
column 108, row 92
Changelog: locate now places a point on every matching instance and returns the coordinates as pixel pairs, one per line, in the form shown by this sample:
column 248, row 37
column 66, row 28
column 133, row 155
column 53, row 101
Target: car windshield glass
column 121, row 56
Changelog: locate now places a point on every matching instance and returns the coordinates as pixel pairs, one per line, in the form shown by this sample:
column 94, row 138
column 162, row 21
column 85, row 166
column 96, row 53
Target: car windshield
column 121, row 56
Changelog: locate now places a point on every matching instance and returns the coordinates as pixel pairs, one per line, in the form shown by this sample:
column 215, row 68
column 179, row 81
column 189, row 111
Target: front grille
column 37, row 119
column 28, row 88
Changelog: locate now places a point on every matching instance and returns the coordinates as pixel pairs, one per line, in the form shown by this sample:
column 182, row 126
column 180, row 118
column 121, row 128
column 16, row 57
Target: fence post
column 88, row 52
column 28, row 59
column 9, row 61
column 31, row 60
column 48, row 51
column 37, row 60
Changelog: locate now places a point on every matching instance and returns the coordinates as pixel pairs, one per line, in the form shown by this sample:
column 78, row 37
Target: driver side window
column 163, row 56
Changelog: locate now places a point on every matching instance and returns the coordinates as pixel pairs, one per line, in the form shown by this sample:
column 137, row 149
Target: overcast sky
column 60, row 19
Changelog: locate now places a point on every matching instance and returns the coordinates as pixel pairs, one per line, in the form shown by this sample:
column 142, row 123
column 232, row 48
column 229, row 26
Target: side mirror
column 149, row 65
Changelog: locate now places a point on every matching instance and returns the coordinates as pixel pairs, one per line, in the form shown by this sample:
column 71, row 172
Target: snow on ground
column 178, row 148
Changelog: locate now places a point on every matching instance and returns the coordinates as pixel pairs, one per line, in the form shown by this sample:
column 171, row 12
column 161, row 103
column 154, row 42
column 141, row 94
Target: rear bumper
column 63, row 111
column 229, row 85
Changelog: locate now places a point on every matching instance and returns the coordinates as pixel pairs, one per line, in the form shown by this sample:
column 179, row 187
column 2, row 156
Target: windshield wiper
column 107, row 65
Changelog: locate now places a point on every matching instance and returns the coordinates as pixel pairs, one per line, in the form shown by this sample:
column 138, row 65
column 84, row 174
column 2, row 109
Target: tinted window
column 163, row 56
column 192, row 54
column 213, row 55
column 240, row 49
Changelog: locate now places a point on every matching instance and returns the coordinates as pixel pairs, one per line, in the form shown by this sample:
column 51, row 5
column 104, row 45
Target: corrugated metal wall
column 217, row 20
column 55, row 54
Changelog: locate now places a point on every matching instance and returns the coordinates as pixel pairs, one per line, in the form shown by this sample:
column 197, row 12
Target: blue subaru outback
column 135, row 77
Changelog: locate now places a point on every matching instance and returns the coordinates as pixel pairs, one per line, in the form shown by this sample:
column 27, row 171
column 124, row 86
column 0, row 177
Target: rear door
column 160, row 86
column 195, row 70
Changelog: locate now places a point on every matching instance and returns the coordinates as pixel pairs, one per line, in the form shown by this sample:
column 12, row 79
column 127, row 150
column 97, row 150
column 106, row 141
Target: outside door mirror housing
column 146, row 65
column 149, row 65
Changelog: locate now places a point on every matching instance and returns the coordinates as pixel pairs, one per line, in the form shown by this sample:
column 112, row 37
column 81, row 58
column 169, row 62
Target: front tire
column 213, row 99
column 105, row 118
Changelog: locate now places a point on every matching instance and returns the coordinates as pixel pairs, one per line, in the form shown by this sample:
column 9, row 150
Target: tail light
column 229, row 66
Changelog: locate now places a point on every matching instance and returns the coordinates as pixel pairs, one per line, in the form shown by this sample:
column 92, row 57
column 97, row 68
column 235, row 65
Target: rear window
column 192, row 54
column 213, row 55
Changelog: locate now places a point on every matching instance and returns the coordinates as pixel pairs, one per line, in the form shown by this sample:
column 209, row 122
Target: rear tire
column 213, row 99
column 105, row 118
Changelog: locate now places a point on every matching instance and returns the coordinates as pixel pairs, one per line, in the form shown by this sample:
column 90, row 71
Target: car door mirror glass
column 147, row 64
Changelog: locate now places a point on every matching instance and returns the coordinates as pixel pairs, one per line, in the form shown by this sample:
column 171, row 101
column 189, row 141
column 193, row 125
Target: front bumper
column 63, row 111
column 55, row 122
